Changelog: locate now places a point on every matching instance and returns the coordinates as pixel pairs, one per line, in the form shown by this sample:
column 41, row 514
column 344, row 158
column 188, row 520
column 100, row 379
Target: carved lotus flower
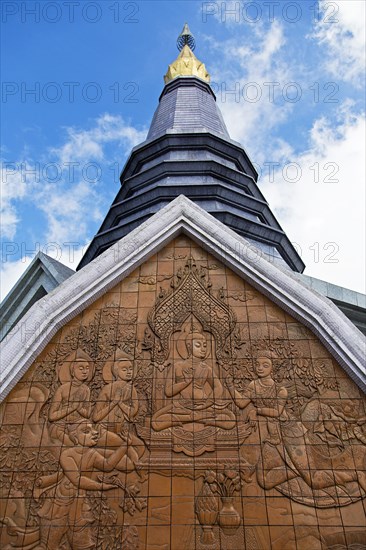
column 231, row 474
column 210, row 476
column 220, row 477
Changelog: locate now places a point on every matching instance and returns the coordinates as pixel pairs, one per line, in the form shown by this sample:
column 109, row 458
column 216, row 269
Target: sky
column 81, row 81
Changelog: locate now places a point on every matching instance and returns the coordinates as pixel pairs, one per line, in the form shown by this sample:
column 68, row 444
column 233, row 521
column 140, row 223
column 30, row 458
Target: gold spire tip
column 186, row 63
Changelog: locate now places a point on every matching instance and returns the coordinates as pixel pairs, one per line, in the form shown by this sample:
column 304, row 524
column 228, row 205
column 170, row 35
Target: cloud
column 71, row 207
column 342, row 36
column 68, row 199
column 13, row 189
column 257, row 67
column 321, row 138
column 88, row 144
column 315, row 210
column 65, row 184
column 70, row 212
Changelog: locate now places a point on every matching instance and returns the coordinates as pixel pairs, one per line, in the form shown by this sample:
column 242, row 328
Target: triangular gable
column 30, row 336
column 42, row 276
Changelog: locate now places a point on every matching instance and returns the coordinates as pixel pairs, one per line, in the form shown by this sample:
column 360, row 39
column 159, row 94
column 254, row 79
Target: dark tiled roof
column 187, row 107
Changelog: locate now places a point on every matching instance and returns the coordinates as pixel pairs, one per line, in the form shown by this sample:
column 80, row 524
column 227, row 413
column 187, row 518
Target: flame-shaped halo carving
column 190, row 296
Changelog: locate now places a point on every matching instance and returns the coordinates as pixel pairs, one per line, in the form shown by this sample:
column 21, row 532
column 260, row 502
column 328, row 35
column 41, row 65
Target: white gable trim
column 35, row 330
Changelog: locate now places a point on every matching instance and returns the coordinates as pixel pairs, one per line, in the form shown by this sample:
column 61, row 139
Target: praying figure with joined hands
column 71, row 401
column 116, row 409
column 194, row 389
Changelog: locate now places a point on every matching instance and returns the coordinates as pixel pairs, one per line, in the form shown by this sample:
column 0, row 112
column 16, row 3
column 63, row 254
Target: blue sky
column 96, row 70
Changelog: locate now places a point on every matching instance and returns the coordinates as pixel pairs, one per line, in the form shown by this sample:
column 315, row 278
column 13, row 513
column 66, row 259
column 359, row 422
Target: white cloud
column 69, row 210
column 310, row 212
column 254, row 67
column 13, row 189
column 88, row 144
column 68, row 205
column 342, row 34
column 316, row 214
column 68, row 196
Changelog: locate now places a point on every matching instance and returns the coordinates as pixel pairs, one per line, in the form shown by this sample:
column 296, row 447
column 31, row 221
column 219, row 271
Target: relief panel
column 183, row 409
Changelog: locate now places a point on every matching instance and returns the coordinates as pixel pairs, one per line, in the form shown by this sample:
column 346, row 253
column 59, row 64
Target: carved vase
column 229, row 519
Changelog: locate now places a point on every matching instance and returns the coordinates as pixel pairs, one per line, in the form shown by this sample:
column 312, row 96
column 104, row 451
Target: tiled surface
column 92, row 460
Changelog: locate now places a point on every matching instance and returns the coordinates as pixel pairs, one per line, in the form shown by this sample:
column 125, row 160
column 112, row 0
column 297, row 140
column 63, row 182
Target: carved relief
column 65, row 510
column 243, row 430
column 188, row 343
column 59, row 414
column 190, row 296
column 71, row 401
column 116, row 408
column 207, row 510
column 224, row 484
column 194, row 387
column 290, row 460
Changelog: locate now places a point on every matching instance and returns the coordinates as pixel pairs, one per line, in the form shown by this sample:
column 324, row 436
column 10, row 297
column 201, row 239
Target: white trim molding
column 35, row 330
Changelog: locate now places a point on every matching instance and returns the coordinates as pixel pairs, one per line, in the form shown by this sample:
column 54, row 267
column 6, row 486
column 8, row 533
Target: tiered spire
column 188, row 151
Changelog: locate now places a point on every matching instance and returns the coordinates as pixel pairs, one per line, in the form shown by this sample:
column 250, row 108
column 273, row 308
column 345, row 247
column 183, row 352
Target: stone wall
column 183, row 410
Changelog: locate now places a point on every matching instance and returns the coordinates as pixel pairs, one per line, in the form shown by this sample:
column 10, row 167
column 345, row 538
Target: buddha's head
column 196, row 344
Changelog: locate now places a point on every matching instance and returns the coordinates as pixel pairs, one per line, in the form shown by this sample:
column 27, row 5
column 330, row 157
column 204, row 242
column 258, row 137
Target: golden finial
column 186, row 63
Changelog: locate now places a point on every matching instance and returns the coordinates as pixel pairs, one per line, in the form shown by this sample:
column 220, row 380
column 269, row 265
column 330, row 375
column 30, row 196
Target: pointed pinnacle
column 186, row 38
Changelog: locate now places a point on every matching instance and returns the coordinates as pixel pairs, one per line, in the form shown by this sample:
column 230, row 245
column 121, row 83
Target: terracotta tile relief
column 183, row 410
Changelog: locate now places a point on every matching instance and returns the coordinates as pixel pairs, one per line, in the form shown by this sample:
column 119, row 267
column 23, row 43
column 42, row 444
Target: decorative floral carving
column 106, row 533
column 130, row 501
column 224, row 484
column 207, row 509
column 153, row 279
column 237, row 296
column 130, row 538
